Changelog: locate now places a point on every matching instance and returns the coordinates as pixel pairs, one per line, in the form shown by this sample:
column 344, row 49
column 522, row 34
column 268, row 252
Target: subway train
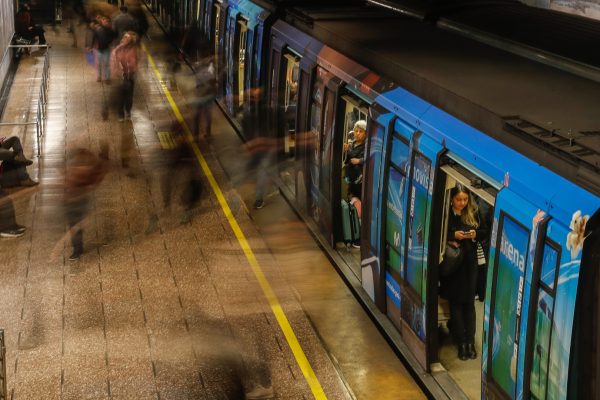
column 441, row 109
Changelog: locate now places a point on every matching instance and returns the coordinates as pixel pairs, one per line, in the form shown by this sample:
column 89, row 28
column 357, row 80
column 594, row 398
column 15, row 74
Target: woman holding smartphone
column 459, row 288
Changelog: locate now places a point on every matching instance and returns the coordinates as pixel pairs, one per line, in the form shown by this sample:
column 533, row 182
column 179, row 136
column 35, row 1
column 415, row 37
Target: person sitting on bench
column 14, row 162
column 25, row 27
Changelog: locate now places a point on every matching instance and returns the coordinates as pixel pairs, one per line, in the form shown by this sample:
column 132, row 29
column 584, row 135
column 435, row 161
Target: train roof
column 544, row 113
column 542, row 30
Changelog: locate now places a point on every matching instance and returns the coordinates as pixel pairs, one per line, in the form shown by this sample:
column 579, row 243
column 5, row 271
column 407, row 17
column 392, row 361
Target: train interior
column 352, row 109
column 467, row 374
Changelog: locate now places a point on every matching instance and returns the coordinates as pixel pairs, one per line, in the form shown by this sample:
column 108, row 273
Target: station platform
column 230, row 303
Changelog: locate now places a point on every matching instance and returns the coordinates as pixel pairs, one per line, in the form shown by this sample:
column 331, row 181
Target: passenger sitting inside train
column 459, row 288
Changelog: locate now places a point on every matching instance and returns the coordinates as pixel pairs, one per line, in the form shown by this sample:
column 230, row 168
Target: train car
column 440, row 110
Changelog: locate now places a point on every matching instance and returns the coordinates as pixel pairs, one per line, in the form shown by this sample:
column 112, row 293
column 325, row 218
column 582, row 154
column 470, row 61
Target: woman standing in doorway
column 464, row 229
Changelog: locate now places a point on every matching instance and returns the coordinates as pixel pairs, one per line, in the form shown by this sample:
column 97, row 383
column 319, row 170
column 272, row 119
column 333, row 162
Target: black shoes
column 14, row 232
column 20, row 158
column 258, row 204
column 466, row 351
column 471, row 352
column 462, row 352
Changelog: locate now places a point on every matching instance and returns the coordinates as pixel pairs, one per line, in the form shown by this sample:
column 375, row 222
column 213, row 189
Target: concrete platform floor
column 175, row 313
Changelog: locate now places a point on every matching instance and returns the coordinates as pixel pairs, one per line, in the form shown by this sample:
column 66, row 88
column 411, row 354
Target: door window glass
column 242, row 28
column 290, row 102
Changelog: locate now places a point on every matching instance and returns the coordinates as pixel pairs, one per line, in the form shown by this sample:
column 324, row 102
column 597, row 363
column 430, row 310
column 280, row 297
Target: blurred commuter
column 73, row 10
column 355, row 159
column 181, row 169
column 84, row 172
column 124, row 22
column 261, row 146
column 25, row 26
column 206, row 91
column 103, row 38
column 194, row 43
column 138, row 14
column 464, row 229
column 125, row 61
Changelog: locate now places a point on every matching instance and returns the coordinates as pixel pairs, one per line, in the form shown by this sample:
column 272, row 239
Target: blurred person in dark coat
column 25, row 26
column 84, row 172
column 180, row 162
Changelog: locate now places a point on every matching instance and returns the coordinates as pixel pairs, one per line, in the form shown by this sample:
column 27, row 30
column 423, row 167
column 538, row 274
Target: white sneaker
column 260, row 393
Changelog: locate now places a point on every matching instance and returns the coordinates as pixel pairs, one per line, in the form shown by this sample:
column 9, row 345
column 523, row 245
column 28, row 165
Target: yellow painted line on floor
column 284, row 324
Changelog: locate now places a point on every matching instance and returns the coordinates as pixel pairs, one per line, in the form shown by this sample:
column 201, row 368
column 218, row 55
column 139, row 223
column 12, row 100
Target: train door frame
column 239, row 56
column 485, row 188
column 288, row 118
column 343, row 127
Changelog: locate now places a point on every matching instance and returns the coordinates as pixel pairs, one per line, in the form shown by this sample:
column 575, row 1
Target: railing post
column 3, row 391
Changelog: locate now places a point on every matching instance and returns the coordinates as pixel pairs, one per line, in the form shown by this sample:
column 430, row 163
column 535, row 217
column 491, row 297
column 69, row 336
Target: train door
column 288, row 107
column 351, row 109
column 322, row 101
column 442, row 344
column 514, row 236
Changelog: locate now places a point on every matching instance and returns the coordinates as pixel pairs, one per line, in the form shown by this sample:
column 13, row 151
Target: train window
column 326, row 141
column 353, row 112
column 291, row 74
column 313, row 152
column 400, row 153
column 242, row 29
column 544, row 323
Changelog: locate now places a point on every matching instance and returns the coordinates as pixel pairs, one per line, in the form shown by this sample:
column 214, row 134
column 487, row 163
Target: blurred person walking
column 260, row 145
column 125, row 60
column 206, row 92
column 103, row 37
column 124, row 22
column 84, row 172
column 181, row 170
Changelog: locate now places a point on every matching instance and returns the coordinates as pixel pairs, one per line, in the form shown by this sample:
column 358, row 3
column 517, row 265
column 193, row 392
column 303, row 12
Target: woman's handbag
column 453, row 257
column 480, row 255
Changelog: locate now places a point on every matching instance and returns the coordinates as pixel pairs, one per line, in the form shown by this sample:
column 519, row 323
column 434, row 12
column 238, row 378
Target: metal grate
column 571, row 145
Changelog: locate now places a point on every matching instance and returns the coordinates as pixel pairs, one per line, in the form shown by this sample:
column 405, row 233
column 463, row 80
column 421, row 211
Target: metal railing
column 41, row 112
column 3, row 391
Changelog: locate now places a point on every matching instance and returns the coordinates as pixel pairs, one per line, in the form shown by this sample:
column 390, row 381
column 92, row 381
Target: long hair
column 468, row 214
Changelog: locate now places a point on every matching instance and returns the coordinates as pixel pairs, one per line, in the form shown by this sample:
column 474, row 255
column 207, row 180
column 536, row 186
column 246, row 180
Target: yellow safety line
column 284, row 324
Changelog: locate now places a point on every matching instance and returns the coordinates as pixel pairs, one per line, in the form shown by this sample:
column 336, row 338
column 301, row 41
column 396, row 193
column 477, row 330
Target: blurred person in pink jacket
column 125, row 63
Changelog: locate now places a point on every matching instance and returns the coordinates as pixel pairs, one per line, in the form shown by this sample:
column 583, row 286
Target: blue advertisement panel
column 512, row 259
column 417, row 225
column 395, row 212
column 564, row 307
